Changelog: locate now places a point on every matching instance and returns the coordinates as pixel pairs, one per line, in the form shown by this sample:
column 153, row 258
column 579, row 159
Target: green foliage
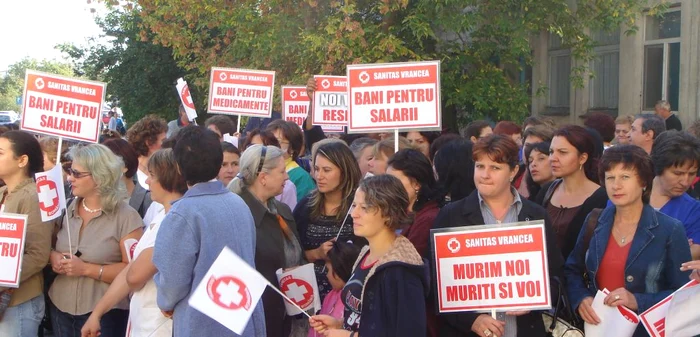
column 484, row 45
column 12, row 84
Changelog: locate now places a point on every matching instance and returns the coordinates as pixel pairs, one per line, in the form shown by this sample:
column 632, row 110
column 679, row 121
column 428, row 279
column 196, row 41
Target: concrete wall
column 631, row 71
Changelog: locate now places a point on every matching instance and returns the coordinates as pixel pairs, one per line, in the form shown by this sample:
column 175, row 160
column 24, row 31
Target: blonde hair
column 106, row 170
column 386, row 147
column 250, row 161
column 50, row 146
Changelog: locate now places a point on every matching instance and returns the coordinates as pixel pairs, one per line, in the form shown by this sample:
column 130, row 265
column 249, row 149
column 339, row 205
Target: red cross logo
column 364, row 77
column 48, row 195
column 186, row 97
column 229, row 292
column 39, row 82
column 325, row 84
column 453, row 245
column 223, row 76
column 293, row 94
column 299, row 291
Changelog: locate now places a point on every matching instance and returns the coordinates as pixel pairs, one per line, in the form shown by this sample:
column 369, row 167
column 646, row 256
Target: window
column 559, row 73
column 662, row 56
column 604, row 86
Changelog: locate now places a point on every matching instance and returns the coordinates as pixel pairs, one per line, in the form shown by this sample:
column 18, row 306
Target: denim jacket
column 652, row 270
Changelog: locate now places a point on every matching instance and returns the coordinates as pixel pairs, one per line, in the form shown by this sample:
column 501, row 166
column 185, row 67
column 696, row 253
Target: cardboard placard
column 241, row 92
column 330, row 100
column 13, row 230
column 295, row 104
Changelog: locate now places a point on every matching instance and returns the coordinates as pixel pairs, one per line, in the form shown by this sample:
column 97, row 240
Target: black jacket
column 466, row 212
column 599, row 199
column 269, row 256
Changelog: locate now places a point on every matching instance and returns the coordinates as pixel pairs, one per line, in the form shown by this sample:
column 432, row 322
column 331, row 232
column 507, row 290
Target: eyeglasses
column 263, row 152
column 77, row 174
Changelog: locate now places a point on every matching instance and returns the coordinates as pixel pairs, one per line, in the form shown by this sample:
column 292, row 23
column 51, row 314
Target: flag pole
column 287, row 299
column 58, row 162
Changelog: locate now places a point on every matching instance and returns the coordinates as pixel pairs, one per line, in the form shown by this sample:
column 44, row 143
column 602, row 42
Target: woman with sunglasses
column 261, row 178
column 90, row 250
column 322, row 216
column 20, row 159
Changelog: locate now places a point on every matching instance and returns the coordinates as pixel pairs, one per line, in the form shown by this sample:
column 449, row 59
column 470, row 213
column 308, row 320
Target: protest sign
column 52, row 197
column 295, row 104
column 61, row 106
column 654, row 318
column 616, row 321
column 493, row 267
column 299, row 284
column 333, row 128
column 229, row 291
column 394, row 96
column 183, row 92
column 683, row 319
column 241, row 92
column 13, row 229
column 330, row 100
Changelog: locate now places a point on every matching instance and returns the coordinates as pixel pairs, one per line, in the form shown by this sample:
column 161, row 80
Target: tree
column 12, row 84
column 483, row 44
column 139, row 74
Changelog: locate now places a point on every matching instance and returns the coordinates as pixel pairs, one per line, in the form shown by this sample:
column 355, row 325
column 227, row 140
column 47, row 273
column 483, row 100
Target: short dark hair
column 386, row 194
column 342, row 256
column 474, row 129
column 430, row 136
column 631, row 157
column 163, row 166
column 198, row 154
column 267, row 138
column 507, row 128
column 582, row 140
column 416, row 166
column 674, row 148
column 223, row 123
column 145, row 132
column 455, row 168
column 542, row 147
column 123, row 149
column 292, row 132
column 24, row 143
column 652, row 122
column 499, row 148
column 603, row 123
column 539, row 131
column 440, row 142
column 227, row 147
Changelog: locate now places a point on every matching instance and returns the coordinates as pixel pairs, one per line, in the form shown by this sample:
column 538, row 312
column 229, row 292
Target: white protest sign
column 654, row 318
column 52, row 197
column 183, row 91
column 330, row 100
column 683, row 319
column 61, row 106
column 241, row 92
column 299, row 285
column 493, row 267
column 13, row 230
column 229, row 291
column 394, row 96
column 295, row 104
column 616, row 321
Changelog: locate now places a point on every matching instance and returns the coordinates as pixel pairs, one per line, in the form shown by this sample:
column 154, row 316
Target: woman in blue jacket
column 385, row 296
column 635, row 251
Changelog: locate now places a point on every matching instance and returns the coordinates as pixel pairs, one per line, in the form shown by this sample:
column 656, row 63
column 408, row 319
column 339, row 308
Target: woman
column 381, row 153
column 145, row 318
column 539, row 171
column 574, row 193
column 291, row 140
column 362, row 148
column 322, row 216
column 510, row 129
column 421, row 140
column 230, row 165
column 90, row 251
column 635, row 251
column 20, row 159
column 454, row 168
column 424, row 199
column 123, row 150
column 385, row 296
column 261, row 178
column 289, row 194
column 496, row 201
column 676, row 157
column 534, row 134
column 623, row 125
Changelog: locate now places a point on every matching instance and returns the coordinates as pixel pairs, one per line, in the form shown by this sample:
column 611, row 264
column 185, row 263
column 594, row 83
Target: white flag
column 299, row 285
column 229, row 291
column 52, row 198
column 186, row 98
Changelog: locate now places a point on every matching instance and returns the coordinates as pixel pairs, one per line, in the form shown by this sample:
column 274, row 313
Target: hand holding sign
column 487, row 326
column 621, row 296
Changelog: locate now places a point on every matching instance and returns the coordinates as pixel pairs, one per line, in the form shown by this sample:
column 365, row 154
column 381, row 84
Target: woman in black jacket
column 496, row 201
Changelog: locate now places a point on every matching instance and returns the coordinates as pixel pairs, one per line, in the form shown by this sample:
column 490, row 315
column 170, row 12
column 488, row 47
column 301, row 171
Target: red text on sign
column 8, row 249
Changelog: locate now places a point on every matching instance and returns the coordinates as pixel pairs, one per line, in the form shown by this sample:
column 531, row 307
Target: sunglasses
column 77, row 174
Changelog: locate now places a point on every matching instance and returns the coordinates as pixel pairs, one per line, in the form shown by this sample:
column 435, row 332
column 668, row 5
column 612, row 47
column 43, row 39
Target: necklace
column 624, row 237
column 90, row 210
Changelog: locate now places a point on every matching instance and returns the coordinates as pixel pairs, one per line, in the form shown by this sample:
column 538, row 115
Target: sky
column 33, row 27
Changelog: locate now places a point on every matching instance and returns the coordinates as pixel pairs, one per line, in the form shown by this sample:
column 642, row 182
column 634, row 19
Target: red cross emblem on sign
column 299, row 291
column 48, row 195
column 229, row 292
column 186, row 97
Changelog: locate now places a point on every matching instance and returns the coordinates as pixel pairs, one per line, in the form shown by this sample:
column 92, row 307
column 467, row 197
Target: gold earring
column 580, row 167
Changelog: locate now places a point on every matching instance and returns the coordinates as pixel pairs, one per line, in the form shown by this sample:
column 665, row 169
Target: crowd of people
column 619, row 200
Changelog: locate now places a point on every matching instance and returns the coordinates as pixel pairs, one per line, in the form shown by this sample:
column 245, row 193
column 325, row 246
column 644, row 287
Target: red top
column 611, row 273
